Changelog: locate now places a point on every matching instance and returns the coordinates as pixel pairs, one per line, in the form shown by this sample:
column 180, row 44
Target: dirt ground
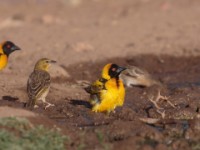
column 159, row 36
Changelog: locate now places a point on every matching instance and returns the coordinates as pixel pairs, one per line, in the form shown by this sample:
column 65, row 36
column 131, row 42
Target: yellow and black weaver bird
column 39, row 83
column 6, row 48
column 107, row 92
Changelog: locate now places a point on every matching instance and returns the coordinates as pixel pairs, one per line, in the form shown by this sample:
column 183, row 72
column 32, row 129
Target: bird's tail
column 94, row 99
column 88, row 89
column 30, row 103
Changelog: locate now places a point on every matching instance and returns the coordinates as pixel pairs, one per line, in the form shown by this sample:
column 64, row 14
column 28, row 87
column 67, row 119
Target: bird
column 134, row 76
column 6, row 48
column 38, row 84
column 108, row 91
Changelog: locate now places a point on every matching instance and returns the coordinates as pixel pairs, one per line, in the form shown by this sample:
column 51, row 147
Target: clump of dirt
column 177, row 128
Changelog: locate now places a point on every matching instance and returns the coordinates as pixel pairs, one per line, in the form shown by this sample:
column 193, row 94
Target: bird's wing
column 38, row 82
column 96, row 87
column 95, row 91
column 135, row 72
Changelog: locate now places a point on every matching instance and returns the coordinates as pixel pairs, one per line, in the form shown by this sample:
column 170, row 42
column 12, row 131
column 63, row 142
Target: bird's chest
column 113, row 90
column 3, row 61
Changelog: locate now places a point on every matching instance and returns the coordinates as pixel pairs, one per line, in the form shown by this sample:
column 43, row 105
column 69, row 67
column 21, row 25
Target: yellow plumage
column 107, row 92
column 6, row 48
column 3, row 61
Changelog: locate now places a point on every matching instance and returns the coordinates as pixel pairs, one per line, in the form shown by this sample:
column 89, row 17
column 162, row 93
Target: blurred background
column 72, row 31
column 82, row 36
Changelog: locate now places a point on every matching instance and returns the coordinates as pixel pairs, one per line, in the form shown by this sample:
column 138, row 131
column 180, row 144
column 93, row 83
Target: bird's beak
column 120, row 69
column 15, row 47
column 52, row 61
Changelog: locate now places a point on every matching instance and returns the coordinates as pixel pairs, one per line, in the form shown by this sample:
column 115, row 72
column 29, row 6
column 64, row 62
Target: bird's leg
column 110, row 112
column 35, row 106
column 48, row 104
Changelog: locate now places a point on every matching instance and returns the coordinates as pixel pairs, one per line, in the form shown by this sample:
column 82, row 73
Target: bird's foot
column 35, row 106
column 48, row 105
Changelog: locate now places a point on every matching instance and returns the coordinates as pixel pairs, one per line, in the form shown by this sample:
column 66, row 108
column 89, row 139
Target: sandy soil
column 159, row 36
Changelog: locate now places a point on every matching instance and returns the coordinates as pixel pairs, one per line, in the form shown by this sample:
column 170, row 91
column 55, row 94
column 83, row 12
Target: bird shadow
column 10, row 98
column 80, row 102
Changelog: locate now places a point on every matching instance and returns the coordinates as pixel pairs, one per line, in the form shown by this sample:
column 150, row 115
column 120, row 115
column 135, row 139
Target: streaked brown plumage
column 39, row 83
column 134, row 76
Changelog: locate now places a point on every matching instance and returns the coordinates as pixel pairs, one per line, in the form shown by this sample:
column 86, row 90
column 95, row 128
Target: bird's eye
column 8, row 46
column 47, row 61
column 113, row 69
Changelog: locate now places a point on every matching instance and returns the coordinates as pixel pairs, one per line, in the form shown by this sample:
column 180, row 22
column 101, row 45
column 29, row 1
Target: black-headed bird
column 39, row 83
column 6, row 48
column 134, row 76
column 107, row 92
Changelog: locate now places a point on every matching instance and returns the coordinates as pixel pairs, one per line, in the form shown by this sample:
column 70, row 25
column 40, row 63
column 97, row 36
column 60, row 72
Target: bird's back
column 37, row 85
